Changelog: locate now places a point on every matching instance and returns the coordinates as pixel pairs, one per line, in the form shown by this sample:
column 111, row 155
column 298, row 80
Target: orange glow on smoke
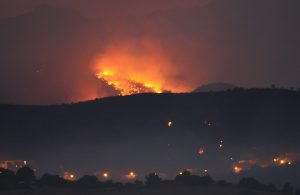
column 137, row 66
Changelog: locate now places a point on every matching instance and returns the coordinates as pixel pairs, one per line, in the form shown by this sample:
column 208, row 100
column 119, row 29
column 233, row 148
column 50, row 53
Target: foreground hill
column 131, row 133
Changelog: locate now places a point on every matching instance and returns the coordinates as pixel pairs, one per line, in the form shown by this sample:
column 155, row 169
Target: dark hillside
column 120, row 133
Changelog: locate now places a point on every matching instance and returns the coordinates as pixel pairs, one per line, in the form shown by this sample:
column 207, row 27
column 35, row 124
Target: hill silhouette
column 214, row 87
column 132, row 132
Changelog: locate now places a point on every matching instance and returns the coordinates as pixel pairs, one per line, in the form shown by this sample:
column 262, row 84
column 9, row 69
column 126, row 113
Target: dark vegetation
column 269, row 112
column 25, row 178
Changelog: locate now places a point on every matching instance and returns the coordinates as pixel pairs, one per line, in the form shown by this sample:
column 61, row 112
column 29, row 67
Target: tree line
column 25, row 178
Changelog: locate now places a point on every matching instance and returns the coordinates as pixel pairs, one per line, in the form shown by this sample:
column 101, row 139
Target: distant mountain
column 214, row 87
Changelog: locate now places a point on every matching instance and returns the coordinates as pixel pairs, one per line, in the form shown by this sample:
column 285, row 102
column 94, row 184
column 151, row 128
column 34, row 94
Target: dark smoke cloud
column 47, row 52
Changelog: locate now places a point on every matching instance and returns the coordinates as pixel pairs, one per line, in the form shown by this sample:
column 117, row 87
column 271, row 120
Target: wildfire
column 139, row 65
column 127, row 86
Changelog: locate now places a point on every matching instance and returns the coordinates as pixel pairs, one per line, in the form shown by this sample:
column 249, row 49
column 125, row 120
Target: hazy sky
column 49, row 54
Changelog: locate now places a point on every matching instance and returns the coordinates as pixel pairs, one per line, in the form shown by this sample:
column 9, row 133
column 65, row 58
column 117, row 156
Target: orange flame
column 137, row 66
column 127, row 86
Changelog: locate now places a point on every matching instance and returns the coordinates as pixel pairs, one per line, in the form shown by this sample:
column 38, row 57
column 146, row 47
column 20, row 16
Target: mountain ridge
column 120, row 132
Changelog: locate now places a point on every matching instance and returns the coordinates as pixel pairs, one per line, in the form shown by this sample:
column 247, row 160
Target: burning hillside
column 138, row 66
column 127, row 86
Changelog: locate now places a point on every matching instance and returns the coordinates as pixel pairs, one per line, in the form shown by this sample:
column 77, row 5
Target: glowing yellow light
column 169, row 123
column 157, row 90
column 275, row 159
column 282, row 162
column 69, row 176
column 237, row 169
column 131, row 175
column 289, row 163
column 106, row 73
column 148, row 85
column 180, row 173
column 105, row 175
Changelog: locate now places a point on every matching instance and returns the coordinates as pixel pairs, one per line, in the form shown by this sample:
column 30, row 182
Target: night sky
column 51, row 51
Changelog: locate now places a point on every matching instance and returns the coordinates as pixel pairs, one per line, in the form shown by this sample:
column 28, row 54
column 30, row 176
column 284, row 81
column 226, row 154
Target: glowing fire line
column 127, row 86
